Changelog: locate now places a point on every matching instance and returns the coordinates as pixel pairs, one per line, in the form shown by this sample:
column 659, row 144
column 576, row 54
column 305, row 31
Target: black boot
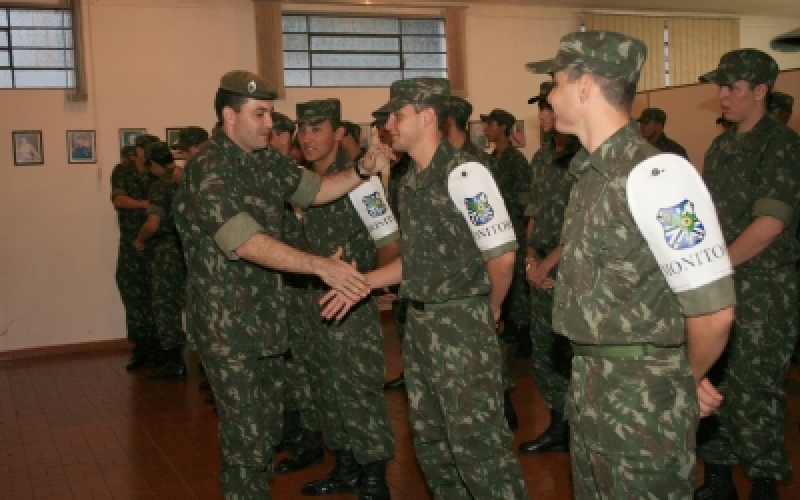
column 292, row 432
column 345, row 477
column 373, row 482
column 764, row 488
column 554, row 438
column 173, row 368
column 717, row 484
column 398, row 383
column 307, row 451
column 139, row 356
column 509, row 411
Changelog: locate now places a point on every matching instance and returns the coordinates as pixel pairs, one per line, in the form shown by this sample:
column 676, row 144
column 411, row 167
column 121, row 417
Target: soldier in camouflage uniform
column 552, row 355
column 351, row 141
column 635, row 387
column 346, row 366
column 229, row 212
column 651, row 127
column 751, row 171
column 130, row 183
column 168, row 271
column 513, row 178
column 780, row 105
column 455, row 277
column 459, row 111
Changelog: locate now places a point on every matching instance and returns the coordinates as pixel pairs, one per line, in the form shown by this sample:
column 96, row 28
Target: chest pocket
column 610, row 235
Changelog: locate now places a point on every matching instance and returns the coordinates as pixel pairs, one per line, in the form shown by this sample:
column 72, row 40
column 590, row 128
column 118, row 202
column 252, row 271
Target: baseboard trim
column 55, row 350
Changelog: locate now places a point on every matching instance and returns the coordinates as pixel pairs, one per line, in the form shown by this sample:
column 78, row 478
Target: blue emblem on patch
column 479, row 209
column 682, row 228
column 374, row 204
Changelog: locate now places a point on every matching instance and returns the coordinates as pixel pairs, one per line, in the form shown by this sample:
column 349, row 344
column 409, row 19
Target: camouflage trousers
column 298, row 380
column 749, row 425
column 169, row 293
column 552, row 353
column 133, row 281
column 347, row 370
column 633, row 423
column 248, row 393
column 455, row 394
column 516, row 307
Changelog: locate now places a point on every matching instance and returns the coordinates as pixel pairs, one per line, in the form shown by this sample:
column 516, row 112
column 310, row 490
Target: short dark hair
column 228, row 99
column 618, row 93
column 440, row 110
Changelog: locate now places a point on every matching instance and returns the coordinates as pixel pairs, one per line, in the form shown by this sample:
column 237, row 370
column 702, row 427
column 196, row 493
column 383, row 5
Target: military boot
column 509, row 412
column 306, row 452
column 554, row 438
column 373, row 482
column 292, row 432
column 173, row 368
column 764, row 488
column 139, row 357
column 717, row 484
column 345, row 477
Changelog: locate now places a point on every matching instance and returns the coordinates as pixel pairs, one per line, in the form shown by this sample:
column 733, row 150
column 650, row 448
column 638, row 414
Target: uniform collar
column 606, row 156
column 423, row 179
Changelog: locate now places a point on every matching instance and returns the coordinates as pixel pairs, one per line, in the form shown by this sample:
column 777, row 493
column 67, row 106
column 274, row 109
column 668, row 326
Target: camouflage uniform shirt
column 126, row 180
column 512, row 174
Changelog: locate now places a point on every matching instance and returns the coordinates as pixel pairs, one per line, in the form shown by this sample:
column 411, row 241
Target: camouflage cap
column 653, row 115
column 282, row 123
column 143, row 140
column 157, row 150
column 352, row 130
column 750, row 65
column 459, row 108
column 421, row 90
column 779, row 100
column 127, row 152
column 315, row 112
column 248, row 84
column 544, row 90
column 190, row 136
column 601, row 53
column 501, row 116
column 381, row 117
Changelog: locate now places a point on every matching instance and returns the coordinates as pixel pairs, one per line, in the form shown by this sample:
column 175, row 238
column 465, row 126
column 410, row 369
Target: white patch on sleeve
column 475, row 194
column 674, row 212
column 369, row 200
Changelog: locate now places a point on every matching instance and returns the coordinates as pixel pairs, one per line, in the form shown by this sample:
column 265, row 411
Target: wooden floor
column 79, row 427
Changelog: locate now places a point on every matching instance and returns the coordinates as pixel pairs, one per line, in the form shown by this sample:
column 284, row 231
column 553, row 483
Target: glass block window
column 36, row 48
column 326, row 51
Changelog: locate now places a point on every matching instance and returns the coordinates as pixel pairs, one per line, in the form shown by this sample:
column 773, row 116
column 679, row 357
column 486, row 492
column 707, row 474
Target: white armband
column 369, row 200
column 674, row 212
column 475, row 194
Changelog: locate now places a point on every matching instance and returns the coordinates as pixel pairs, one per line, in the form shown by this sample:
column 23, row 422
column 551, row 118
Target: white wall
column 156, row 64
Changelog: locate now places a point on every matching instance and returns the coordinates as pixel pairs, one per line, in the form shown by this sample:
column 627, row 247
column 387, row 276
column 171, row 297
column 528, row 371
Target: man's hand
column 343, row 277
column 335, row 305
column 708, row 397
column 377, row 159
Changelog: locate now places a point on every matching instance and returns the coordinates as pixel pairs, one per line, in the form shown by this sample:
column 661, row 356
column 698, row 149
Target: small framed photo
column 518, row 134
column 477, row 135
column 366, row 133
column 172, row 135
column 127, row 136
column 81, row 146
column 27, row 147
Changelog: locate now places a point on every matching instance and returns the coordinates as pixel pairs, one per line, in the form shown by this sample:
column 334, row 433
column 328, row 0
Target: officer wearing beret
column 130, row 184
column 168, row 271
column 229, row 214
column 456, row 264
column 751, row 171
column 781, row 104
column 513, row 179
column 651, row 127
column 633, row 401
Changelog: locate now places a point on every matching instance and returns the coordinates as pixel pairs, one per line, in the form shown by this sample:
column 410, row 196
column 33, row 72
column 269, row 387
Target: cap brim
column 539, row 67
column 715, row 77
column 534, row 99
column 485, row 118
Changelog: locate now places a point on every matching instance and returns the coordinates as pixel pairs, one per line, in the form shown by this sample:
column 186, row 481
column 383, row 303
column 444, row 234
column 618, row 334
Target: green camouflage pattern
column 421, row 90
column 143, row 140
column 396, row 174
column 653, row 115
column 750, row 175
column 190, row 136
column 452, row 356
column 282, row 123
column 501, row 117
column 751, row 65
column 667, row 145
column 168, row 270
column 127, row 153
column 780, row 100
column 318, row 111
column 633, row 427
column 347, row 365
column 459, row 108
column 601, row 53
column 248, row 84
column 235, row 309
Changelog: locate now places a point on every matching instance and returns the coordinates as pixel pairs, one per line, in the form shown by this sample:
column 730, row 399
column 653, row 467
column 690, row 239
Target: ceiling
column 782, row 8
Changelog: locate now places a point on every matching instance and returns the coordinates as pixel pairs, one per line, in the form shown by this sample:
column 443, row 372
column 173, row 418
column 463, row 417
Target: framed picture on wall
column 477, row 135
column 127, row 136
column 366, row 133
column 518, row 134
column 172, row 135
column 81, row 146
column 27, row 147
